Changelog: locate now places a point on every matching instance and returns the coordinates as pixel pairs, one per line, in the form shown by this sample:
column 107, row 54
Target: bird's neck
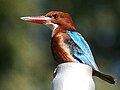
column 63, row 29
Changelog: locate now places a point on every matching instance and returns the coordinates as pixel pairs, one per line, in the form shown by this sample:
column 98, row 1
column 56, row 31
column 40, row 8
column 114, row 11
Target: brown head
column 54, row 20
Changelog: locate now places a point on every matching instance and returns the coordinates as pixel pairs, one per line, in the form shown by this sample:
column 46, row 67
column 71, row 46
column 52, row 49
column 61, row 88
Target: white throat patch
column 51, row 25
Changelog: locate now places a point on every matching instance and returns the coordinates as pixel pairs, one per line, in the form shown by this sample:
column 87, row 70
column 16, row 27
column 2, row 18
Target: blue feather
column 82, row 50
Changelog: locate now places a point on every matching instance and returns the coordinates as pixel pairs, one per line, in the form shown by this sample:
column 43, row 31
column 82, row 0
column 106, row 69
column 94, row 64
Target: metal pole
column 73, row 76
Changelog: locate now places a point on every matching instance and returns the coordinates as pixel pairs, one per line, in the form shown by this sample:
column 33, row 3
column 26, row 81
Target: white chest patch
column 51, row 25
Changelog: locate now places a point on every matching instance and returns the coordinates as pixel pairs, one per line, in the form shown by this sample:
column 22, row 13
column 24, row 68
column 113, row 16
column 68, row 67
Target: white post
column 73, row 76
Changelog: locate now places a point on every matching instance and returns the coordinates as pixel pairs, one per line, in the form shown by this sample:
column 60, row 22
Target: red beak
column 36, row 19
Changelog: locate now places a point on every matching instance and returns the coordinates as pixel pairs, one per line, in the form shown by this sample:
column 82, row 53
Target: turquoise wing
column 82, row 52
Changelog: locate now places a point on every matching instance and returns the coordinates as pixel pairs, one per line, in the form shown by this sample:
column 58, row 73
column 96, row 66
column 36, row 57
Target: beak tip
column 25, row 18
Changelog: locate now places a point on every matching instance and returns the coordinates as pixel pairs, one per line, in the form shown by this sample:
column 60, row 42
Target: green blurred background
column 26, row 62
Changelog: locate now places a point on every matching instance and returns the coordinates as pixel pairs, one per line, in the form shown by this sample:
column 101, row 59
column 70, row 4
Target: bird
column 67, row 44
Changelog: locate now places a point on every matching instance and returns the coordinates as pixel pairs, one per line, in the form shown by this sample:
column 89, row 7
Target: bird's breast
column 60, row 50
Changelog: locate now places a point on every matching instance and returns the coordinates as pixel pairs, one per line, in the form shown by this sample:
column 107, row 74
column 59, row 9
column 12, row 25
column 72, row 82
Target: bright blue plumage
column 81, row 50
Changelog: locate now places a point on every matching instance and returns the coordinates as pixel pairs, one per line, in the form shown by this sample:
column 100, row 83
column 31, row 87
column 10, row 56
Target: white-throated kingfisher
column 66, row 43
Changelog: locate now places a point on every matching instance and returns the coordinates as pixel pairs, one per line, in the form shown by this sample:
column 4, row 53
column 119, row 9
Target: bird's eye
column 55, row 16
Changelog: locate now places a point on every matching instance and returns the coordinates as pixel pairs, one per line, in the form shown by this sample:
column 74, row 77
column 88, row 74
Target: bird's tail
column 104, row 77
